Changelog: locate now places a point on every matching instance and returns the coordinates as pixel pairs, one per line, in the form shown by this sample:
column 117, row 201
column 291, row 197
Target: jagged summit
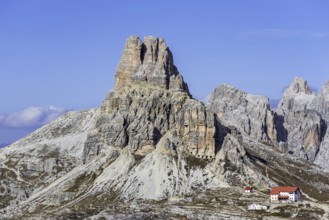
column 251, row 114
column 325, row 89
column 299, row 85
column 303, row 114
column 298, row 90
column 148, row 63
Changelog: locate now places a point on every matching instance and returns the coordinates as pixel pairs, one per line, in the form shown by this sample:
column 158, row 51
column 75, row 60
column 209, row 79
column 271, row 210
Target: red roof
column 248, row 188
column 289, row 189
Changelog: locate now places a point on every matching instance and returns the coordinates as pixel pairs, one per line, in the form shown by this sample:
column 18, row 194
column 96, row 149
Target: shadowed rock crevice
column 282, row 133
column 221, row 132
column 323, row 129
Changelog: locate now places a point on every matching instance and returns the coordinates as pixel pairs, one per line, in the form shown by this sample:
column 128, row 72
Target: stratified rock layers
column 304, row 117
column 149, row 100
column 297, row 127
column 251, row 114
column 148, row 63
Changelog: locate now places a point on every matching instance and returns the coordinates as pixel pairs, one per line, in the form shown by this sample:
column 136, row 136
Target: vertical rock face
column 251, row 114
column 305, row 132
column 129, row 63
column 321, row 102
column 197, row 128
column 138, row 117
column 301, row 112
column 322, row 157
column 150, row 62
column 149, row 100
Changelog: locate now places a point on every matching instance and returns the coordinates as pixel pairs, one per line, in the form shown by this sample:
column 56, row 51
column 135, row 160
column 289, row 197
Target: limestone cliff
column 304, row 120
column 298, row 96
column 150, row 99
column 251, row 114
column 148, row 63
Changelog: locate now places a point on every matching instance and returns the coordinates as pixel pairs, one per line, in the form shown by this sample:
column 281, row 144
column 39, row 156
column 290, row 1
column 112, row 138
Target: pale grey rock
column 35, row 161
column 164, row 173
column 300, row 120
column 150, row 98
column 305, row 131
column 235, row 164
column 137, row 117
column 297, row 97
column 321, row 102
column 251, row 114
column 322, row 157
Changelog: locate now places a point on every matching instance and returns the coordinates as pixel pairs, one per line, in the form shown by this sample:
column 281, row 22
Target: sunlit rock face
column 150, row 99
column 251, row 114
column 149, row 62
column 298, row 96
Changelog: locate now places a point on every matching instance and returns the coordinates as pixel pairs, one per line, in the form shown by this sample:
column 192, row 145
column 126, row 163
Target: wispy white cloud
column 31, row 117
column 2, row 117
column 281, row 32
column 272, row 32
column 320, row 34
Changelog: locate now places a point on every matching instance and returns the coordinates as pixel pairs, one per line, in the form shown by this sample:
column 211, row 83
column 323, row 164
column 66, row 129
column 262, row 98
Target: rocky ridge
column 305, row 120
column 298, row 126
column 151, row 141
column 251, row 114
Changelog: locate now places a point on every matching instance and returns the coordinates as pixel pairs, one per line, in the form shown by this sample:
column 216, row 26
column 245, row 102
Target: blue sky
column 58, row 55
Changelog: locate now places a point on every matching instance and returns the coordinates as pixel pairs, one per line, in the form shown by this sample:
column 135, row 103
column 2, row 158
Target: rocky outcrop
column 251, row 114
column 321, row 102
column 297, row 97
column 138, row 117
column 322, row 157
column 148, row 63
column 297, row 127
column 37, row 160
column 150, row 140
column 150, row 99
column 301, row 112
column 305, row 132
